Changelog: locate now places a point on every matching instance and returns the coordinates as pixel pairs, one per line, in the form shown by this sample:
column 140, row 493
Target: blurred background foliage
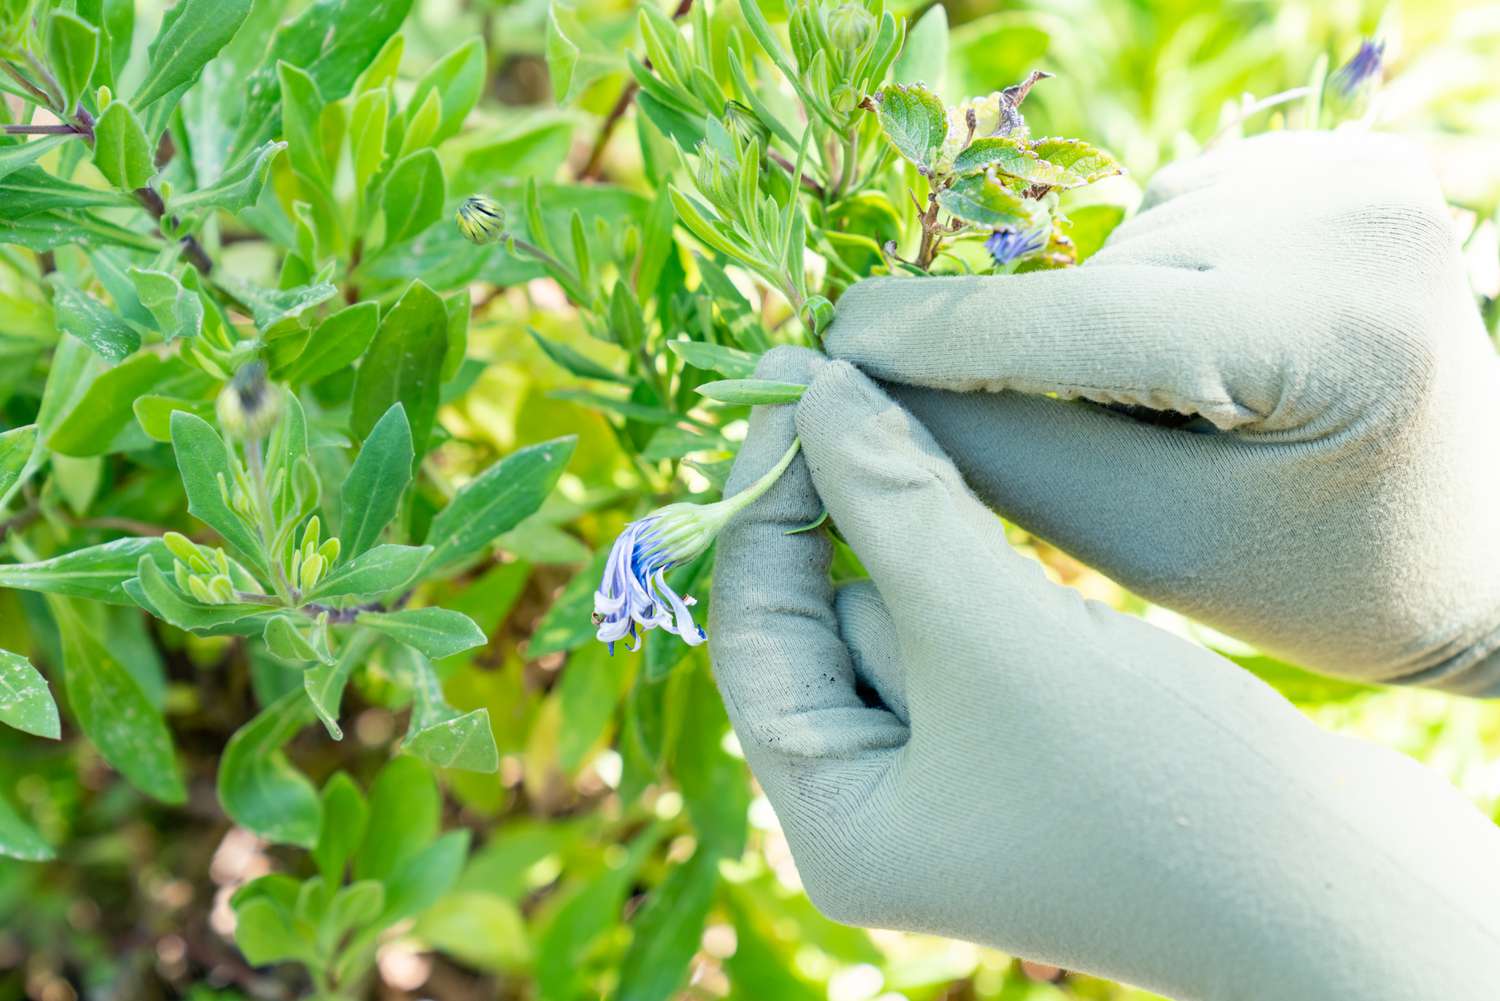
column 580, row 882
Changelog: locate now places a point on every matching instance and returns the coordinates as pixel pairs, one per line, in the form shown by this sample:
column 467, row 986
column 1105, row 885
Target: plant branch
column 194, row 251
column 813, row 187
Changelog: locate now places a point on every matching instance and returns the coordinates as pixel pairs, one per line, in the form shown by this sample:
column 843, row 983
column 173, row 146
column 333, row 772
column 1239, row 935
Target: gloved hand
column 964, row 748
column 1303, row 295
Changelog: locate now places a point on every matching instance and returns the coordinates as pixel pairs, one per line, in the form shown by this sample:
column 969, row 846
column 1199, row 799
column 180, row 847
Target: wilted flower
column 634, row 595
column 1006, row 245
column 249, row 406
column 481, row 220
column 1365, row 65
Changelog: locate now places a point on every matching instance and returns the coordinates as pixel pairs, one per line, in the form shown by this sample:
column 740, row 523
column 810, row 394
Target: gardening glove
column 1302, row 296
column 964, row 748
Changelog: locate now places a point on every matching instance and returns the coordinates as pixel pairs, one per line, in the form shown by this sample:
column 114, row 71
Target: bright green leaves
column 209, row 477
column 371, row 494
column 373, row 573
column 668, row 930
column 89, row 320
column 914, row 120
column 751, row 392
column 105, row 409
column 457, row 79
column 496, row 500
column 113, row 710
column 345, row 815
column 982, row 199
column 258, row 787
column 414, row 195
column 72, row 50
column 178, row 311
column 16, row 446
column 404, row 365
column 405, row 810
column 435, row 632
column 97, row 573
column 192, row 33
column 1056, row 163
column 732, row 363
column 336, row 343
column 237, row 188
column 18, row 839
column 25, row 700
column 440, row 734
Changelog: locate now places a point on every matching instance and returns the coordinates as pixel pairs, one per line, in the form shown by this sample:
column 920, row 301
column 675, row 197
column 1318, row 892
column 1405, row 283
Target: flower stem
column 754, row 491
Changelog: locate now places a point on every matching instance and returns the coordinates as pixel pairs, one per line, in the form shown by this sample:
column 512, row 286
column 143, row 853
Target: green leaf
column 372, row 573
column 154, row 413
column 89, row 320
column 438, row 733
column 24, row 154
column 421, row 878
column 105, row 409
column 436, row 632
column 18, row 839
column 267, row 933
column 751, row 392
column 301, row 108
column 31, row 190
column 259, row 788
column 178, row 311
column 562, row 57
column 575, row 361
column 1009, row 156
column 730, row 362
column 405, row 810
column 287, row 642
column 97, row 573
column 238, row 188
column 914, row 119
column 414, row 195
column 371, row 494
column 204, row 464
column 275, row 307
column 335, row 344
column 72, row 49
column 1077, row 162
column 1090, row 225
column 113, row 710
column 324, row 684
column 588, row 693
column 567, row 625
column 980, row 198
column 404, row 365
column 192, row 33
column 667, row 931
column 495, row 500
column 924, row 57
column 479, row 929
column 344, row 816
column 715, row 785
column 458, row 79
column 25, row 700
column 16, row 446
column 150, row 589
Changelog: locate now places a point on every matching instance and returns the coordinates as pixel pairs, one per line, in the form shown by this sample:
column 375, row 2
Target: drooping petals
column 1006, row 245
column 1349, row 78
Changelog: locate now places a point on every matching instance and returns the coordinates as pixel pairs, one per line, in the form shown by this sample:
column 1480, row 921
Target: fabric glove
column 961, row 747
column 1303, row 296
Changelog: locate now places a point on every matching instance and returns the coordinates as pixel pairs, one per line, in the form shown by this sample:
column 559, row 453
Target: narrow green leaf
column 730, row 362
column 414, row 195
column 97, row 573
column 31, row 190
column 16, row 446
column 345, row 814
column 372, row 573
column 114, row 712
column 371, row 494
column 151, row 590
column 496, row 500
column 18, row 839
column 575, row 361
column 13, row 158
column 567, row 625
column 178, row 311
column 458, row 79
column 204, row 462
column 121, row 150
column 72, row 49
column 238, row 188
column 420, row 879
column 192, row 33
column 324, row 684
column 89, row 320
column 259, row 788
column 335, row 344
column 25, row 700
column 435, row 632
column 105, row 409
column 924, row 57
column 751, row 392
column 562, row 57
column 405, row 812
column 668, row 929
column 404, row 365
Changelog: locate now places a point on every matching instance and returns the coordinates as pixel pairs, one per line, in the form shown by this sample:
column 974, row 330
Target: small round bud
column 249, row 406
column 481, row 220
column 849, row 25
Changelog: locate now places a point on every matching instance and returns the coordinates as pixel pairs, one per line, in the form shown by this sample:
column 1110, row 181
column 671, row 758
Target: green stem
column 734, row 505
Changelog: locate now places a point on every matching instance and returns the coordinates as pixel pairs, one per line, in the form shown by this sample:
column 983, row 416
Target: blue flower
column 1366, row 64
column 1005, row 245
column 635, row 593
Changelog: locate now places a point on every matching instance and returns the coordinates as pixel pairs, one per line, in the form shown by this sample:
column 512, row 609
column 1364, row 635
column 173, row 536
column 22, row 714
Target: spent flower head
column 634, row 596
column 1006, row 245
column 249, row 407
column 481, row 220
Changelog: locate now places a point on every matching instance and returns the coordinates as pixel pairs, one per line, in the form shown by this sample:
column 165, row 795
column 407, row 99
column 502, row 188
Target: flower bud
column 249, row 406
column 481, row 220
column 850, row 25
